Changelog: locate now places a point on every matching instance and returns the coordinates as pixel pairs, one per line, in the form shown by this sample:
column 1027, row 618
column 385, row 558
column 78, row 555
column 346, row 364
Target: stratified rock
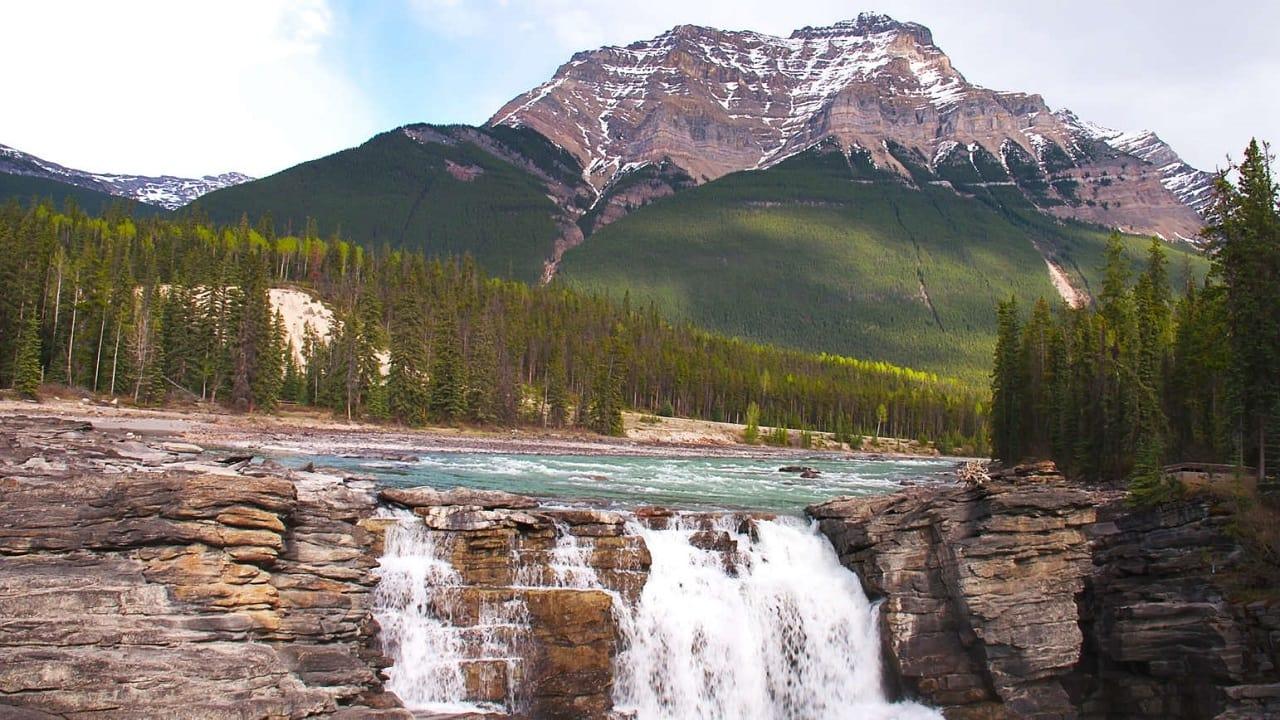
column 131, row 589
column 418, row 497
column 1023, row 595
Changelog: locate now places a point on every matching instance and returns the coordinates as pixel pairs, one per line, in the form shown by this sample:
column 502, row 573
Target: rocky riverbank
column 1024, row 595
column 145, row 579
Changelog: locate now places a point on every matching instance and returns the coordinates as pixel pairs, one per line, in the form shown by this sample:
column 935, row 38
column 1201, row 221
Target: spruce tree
column 1246, row 260
column 605, row 414
column 557, row 391
column 26, row 375
column 407, row 395
column 482, row 374
column 446, row 401
column 1006, row 385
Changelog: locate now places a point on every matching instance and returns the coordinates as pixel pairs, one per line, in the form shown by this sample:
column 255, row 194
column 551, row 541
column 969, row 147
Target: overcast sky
column 158, row 86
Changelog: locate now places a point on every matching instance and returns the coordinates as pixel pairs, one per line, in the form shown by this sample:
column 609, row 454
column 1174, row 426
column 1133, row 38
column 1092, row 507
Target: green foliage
column 1118, row 390
column 146, row 308
column 1246, row 263
column 778, row 437
column 1006, row 384
column 557, row 391
column 751, row 434
column 447, row 391
column 605, row 414
column 26, row 379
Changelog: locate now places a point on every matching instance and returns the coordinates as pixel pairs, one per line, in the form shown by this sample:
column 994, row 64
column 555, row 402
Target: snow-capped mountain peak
column 714, row 102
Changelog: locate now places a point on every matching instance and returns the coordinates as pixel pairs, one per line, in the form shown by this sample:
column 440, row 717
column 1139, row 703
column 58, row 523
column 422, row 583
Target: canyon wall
column 1028, row 596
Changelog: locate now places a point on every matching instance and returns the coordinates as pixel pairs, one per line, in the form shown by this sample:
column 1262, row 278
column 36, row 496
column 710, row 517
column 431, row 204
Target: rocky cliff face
column 145, row 578
column 714, row 102
column 1027, row 596
column 134, row 585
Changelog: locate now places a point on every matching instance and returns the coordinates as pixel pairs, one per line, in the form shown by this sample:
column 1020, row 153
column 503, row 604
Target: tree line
column 153, row 309
column 1140, row 378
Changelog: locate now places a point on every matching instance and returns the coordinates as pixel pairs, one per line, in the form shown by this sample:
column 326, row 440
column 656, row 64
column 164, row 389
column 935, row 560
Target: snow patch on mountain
column 165, row 191
column 1192, row 186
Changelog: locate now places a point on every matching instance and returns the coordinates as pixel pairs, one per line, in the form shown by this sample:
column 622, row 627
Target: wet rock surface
column 1024, row 595
column 140, row 578
column 528, row 598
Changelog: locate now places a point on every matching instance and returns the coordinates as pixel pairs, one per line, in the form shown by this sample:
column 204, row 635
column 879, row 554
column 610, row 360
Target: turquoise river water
column 627, row 482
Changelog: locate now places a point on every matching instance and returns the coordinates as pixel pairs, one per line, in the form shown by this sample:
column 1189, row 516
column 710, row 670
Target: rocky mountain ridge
column 714, row 102
column 166, row 191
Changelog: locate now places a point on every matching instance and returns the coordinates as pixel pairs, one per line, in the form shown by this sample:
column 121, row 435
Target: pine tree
column 268, row 375
column 482, row 375
column 1246, row 260
column 407, row 395
column 446, row 393
column 557, row 391
column 1006, row 385
column 26, row 376
column 605, row 413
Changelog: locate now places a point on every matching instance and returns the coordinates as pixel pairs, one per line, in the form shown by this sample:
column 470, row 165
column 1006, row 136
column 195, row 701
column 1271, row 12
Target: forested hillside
column 30, row 190
column 435, row 194
column 825, row 252
column 152, row 308
column 1144, row 377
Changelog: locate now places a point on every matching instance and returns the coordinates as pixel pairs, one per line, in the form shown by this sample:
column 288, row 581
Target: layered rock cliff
column 1028, row 596
column 139, row 582
column 714, row 102
column 141, row 577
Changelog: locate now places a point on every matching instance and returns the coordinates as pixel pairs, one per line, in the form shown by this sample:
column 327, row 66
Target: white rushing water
column 785, row 632
column 777, row 630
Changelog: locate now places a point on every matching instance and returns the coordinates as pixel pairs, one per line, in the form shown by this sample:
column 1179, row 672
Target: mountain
column 506, row 196
column 824, row 252
column 713, row 102
column 165, row 191
column 843, row 189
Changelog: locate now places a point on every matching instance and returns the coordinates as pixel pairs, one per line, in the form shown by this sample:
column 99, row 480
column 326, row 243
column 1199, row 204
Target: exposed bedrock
column 1028, row 596
column 137, row 582
column 142, row 578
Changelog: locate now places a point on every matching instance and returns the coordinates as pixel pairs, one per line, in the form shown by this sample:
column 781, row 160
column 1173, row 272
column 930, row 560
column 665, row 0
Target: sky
column 191, row 88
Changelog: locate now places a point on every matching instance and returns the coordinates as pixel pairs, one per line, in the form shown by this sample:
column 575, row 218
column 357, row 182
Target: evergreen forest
column 152, row 310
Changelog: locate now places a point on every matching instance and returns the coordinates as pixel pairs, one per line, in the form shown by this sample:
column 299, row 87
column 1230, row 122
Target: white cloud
column 157, row 86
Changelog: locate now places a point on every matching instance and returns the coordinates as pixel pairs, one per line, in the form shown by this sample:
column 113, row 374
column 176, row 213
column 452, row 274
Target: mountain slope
column 24, row 188
column 445, row 190
column 824, row 252
column 715, row 102
column 165, row 191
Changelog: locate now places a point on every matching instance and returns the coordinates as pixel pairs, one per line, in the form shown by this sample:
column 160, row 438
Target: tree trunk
column 115, row 357
column 97, row 363
column 71, row 337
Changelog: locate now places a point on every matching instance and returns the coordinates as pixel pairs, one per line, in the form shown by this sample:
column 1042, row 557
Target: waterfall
column 781, row 632
column 415, row 632
column 757, row 621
